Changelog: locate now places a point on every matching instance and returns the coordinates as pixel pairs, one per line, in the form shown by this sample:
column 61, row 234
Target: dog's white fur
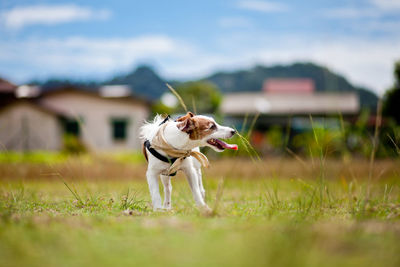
column 190, row 166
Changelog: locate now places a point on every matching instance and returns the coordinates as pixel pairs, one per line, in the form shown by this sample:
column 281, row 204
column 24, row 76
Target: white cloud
column 235, row 22
column 262, row 6
column 375, row 9
column 78, row 56
column 19, row 17
column 386, row 4
column 386, row 27
column 351, row 13
column 365, row 62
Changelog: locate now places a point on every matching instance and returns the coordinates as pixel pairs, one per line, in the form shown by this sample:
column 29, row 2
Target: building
column 40, row 121
column 284, row 99
column 7, row 92
column 294, row 85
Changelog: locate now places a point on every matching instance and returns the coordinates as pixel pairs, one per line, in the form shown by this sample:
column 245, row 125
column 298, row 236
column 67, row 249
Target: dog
column 184, row 135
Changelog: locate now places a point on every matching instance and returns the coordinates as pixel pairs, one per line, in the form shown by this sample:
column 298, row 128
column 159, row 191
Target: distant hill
column 324, row 79
column 144, row 81
column 54, row 84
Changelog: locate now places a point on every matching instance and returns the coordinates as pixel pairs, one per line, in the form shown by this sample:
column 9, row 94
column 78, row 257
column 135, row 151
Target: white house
column 102, row 123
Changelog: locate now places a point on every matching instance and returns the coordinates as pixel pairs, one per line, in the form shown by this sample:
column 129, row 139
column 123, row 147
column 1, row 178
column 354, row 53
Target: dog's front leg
column 152, row 180
column 193, row 180
column 166, row 180
column 197, row 167
column 200, row 178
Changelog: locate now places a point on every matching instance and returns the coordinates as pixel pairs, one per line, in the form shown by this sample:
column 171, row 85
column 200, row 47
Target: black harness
column 158, row 155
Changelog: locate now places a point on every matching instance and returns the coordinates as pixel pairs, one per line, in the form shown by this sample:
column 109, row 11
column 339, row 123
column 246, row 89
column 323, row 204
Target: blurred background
column 292, row 77
column 312, row 87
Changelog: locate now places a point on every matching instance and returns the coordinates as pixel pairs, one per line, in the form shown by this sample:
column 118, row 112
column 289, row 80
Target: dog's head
column 204, row 131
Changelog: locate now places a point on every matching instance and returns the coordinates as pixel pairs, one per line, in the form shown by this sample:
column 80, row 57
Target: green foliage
column 202, row 97
column 333, row 137
column 73, row 145
column 131, row 201
column 391, row 100
column 32, row 157
column 160, row 108
column 389, row 145
column 127, row 157
column 276, row 138
column 312, row 142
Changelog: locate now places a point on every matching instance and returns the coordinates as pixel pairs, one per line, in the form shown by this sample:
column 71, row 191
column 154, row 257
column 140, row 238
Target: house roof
column 34, row 104
column 288, row 85
column 294, row 104
column 95, row 93
column 6, row 86
column 115, row 91
column 41, row 105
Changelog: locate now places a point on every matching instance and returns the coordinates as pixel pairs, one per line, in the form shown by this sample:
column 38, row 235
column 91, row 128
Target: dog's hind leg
column 193, row 179
column 166, row 180
column 152, row 180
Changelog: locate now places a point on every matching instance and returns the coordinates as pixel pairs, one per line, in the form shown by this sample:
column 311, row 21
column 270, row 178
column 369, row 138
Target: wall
column 96, row 114
column 26, row 127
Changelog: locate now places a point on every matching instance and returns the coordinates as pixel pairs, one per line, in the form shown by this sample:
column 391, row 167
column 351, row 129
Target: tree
column 391, row 101
column 200, row 96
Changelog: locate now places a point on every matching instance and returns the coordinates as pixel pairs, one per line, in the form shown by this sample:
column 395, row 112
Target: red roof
column 295, row 85
column 6, row 86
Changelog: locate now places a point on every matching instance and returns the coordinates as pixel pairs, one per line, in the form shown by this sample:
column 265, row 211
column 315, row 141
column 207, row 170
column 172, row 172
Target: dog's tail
column 150, row 128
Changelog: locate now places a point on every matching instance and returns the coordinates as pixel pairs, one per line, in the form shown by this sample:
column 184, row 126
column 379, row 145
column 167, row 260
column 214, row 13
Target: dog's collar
column 158, row 155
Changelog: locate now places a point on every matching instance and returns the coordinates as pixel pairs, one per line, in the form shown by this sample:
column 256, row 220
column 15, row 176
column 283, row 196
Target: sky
column 95, row 40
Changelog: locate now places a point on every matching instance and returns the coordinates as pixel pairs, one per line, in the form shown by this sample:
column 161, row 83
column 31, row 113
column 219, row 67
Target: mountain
column 325, row 80
column 143, row 81
column 55, row 83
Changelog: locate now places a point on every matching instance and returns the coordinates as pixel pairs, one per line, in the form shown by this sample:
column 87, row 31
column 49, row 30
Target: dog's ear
column 186, row 125
column 188, row 115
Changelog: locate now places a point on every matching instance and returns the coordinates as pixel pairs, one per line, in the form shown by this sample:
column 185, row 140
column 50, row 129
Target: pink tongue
column 228, row 146
column 234, row 147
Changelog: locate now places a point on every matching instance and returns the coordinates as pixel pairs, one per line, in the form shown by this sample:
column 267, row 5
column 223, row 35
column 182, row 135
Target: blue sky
column 359, row 39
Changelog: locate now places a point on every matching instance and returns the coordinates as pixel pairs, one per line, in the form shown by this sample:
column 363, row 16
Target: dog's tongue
column 228, row 146
column 233, row 146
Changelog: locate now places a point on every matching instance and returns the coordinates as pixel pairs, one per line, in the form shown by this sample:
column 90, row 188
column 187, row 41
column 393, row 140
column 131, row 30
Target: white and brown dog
column 187, row 133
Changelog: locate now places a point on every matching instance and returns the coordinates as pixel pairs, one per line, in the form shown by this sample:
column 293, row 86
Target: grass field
column 277, row 212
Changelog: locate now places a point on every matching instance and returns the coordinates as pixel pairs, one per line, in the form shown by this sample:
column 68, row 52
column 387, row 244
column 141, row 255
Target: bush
column 73, row 145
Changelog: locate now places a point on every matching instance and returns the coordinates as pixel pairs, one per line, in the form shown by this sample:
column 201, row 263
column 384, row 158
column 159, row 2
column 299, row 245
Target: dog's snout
column 233, row 132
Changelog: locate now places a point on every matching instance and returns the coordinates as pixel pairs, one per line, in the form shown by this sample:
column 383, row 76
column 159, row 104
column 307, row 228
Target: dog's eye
column 213, row 126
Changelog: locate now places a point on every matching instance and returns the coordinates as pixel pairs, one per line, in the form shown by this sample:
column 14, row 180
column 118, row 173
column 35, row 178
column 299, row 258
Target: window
column 119, row 129
column 71, row 127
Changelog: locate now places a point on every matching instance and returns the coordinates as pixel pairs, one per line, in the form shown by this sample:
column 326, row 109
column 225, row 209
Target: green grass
column 32, row 157
column 46, row 157
column 265, row 221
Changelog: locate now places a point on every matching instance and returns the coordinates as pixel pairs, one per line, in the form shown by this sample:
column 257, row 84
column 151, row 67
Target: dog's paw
column 206, row 211
column 167, row 206
column 158, row 209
